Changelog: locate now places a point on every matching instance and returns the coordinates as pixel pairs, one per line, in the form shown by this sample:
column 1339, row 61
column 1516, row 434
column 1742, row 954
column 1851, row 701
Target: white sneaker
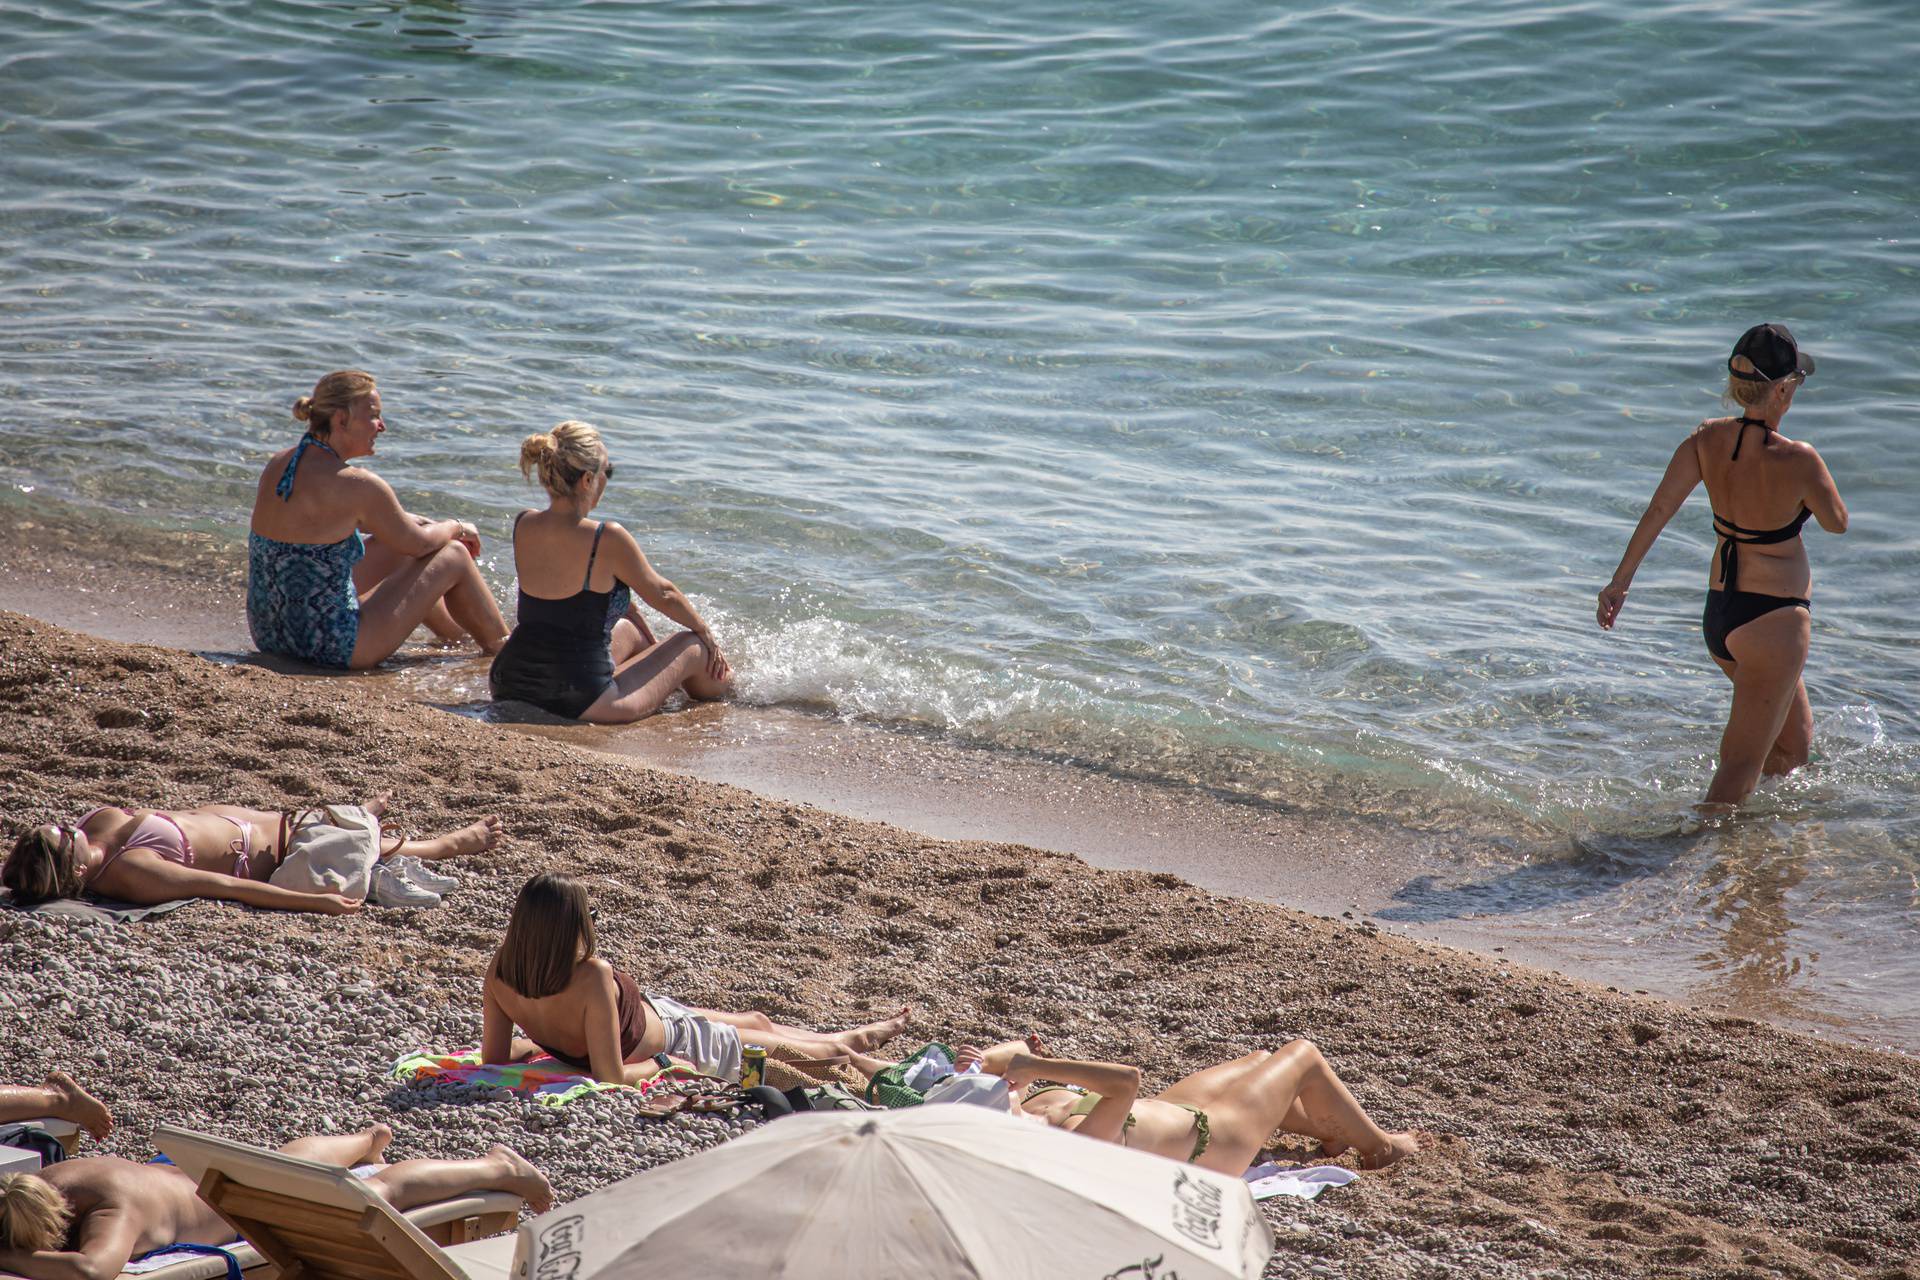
column 414, row 871
column 391, row 889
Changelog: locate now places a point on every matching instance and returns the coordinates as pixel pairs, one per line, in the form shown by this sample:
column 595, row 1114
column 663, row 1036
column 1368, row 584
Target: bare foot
column 79, row 1106
column 1399, row 1147
column 379, row 1138
column 475, row 837
column 378, row 805
column 523, row 1179
column 874, row 1034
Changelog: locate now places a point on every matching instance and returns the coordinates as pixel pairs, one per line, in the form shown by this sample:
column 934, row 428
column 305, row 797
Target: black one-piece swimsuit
column 559, row 656
column 1728, row 607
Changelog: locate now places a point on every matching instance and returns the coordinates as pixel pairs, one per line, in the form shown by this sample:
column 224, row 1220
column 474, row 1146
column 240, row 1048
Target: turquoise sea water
column 1235, row 395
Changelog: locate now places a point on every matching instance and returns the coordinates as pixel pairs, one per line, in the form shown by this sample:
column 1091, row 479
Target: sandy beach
column 1590, row 1131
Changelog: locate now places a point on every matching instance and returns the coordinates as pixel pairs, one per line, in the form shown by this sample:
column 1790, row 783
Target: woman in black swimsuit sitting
column 590, row 655
column 1757, row 620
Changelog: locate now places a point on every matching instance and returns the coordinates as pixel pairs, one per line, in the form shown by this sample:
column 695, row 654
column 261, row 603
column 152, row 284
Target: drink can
column 753, row 1066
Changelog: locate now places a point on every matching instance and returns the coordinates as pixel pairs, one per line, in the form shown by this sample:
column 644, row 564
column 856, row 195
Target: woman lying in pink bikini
column 150, row 856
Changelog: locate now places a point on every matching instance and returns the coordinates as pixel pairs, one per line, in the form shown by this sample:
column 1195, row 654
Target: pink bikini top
column 165, row 837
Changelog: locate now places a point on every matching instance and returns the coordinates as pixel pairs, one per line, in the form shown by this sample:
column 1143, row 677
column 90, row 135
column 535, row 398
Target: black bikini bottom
column 1728, row 611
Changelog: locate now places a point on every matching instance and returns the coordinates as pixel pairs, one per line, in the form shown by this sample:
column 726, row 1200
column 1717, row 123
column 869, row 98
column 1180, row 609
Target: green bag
column 889, row 1087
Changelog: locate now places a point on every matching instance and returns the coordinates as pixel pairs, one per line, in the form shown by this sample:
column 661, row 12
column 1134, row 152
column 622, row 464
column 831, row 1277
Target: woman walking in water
column 1757, row 622
column 316, row 589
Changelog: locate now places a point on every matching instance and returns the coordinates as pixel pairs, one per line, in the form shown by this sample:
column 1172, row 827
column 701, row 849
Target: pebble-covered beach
column 1589, row 1132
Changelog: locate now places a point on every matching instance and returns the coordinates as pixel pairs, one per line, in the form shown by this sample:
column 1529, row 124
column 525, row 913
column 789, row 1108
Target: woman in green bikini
column 1219, row 1118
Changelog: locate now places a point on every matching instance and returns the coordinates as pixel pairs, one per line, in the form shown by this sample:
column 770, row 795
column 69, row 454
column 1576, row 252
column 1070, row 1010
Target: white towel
column 1269, row 1180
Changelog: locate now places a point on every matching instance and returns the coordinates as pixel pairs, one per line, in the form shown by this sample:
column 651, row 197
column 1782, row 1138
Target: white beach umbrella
column 926, row 1193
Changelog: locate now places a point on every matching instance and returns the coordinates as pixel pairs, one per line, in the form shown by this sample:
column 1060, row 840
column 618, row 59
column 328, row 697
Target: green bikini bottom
column 1202, row 1127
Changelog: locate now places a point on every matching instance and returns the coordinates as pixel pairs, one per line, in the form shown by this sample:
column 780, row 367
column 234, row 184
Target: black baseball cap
column 1773, row 353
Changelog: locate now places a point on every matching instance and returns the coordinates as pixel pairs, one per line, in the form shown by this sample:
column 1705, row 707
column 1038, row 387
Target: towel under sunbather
column 86, row 1218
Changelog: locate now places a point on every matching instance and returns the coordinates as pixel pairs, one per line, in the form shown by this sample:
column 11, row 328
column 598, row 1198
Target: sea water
column 1234, row 395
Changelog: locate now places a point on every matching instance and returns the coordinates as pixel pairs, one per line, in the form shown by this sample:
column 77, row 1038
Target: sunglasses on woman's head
column 607, row 471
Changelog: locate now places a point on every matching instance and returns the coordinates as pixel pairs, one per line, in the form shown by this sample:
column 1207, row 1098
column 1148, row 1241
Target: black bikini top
column 1736, row 535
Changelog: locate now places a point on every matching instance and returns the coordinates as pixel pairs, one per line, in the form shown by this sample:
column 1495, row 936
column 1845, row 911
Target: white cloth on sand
column 336, row 849
column 1269, row 1180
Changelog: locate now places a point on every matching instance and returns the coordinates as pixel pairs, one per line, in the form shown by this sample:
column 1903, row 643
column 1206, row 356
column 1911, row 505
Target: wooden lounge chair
column 320, row 1222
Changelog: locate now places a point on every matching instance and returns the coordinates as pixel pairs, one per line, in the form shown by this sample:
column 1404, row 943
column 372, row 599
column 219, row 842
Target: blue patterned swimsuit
column 300, row 598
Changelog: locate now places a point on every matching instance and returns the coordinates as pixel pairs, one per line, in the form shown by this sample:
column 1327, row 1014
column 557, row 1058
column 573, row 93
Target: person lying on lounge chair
column 546, row 980
column 1218, row 1118
column 84, row 1219
column 253, row 856
column 57, row 1099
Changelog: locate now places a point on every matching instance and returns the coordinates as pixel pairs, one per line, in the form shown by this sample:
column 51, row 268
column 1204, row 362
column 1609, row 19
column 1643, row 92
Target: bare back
column 1764, row 488
column 324, row 506
column 119, row 1205
column 550, row 552
column 563, row 1021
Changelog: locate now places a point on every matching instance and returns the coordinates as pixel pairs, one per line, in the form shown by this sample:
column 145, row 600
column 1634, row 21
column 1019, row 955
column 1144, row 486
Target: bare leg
column 475, row 837
column 412, row 1183
column 378, row 565
column 346, row 1149
column 863, row 1039
column 1256, row 1101
column 60, row 1099
column 644, row 683
column 1795, row 743
column 1768, row 654
column 625, row 643
column 402, row 601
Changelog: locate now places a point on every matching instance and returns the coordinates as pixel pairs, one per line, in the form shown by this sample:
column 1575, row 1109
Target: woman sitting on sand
column 581, row 648
column 320, row 592
column 252, row 856
column 1757, row 623
column 57, row 1099
column 86, row 1218
column 1219, row 1118
column 546, row 980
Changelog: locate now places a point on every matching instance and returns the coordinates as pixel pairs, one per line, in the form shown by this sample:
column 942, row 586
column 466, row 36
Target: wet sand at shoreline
column 1591, row 1132
column 1305, row 857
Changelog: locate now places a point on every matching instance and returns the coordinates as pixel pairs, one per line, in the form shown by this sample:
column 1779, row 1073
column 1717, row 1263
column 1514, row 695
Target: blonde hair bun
column 563, row 455
column 535, row 451
column 333, row 394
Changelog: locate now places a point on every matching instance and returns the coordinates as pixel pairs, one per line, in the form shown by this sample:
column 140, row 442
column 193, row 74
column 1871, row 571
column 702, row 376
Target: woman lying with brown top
column 546, row 980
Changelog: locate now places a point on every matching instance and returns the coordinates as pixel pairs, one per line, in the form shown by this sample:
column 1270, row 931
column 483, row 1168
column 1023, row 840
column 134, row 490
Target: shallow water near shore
column 1242, row 403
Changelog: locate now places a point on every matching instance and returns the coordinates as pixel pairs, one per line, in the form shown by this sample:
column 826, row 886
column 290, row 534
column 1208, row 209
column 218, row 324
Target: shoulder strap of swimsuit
column 284, row 489
column 514, row 537
column 599, row 529
column 1740, row 439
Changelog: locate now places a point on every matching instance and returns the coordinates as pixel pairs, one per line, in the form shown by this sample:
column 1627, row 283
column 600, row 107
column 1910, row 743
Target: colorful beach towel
column 546, row 1080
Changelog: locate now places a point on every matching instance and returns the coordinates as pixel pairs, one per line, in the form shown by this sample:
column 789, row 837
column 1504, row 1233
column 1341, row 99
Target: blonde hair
column 332, row 394
column 33, row 1215
column 562, row 456
column 1752, row 390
